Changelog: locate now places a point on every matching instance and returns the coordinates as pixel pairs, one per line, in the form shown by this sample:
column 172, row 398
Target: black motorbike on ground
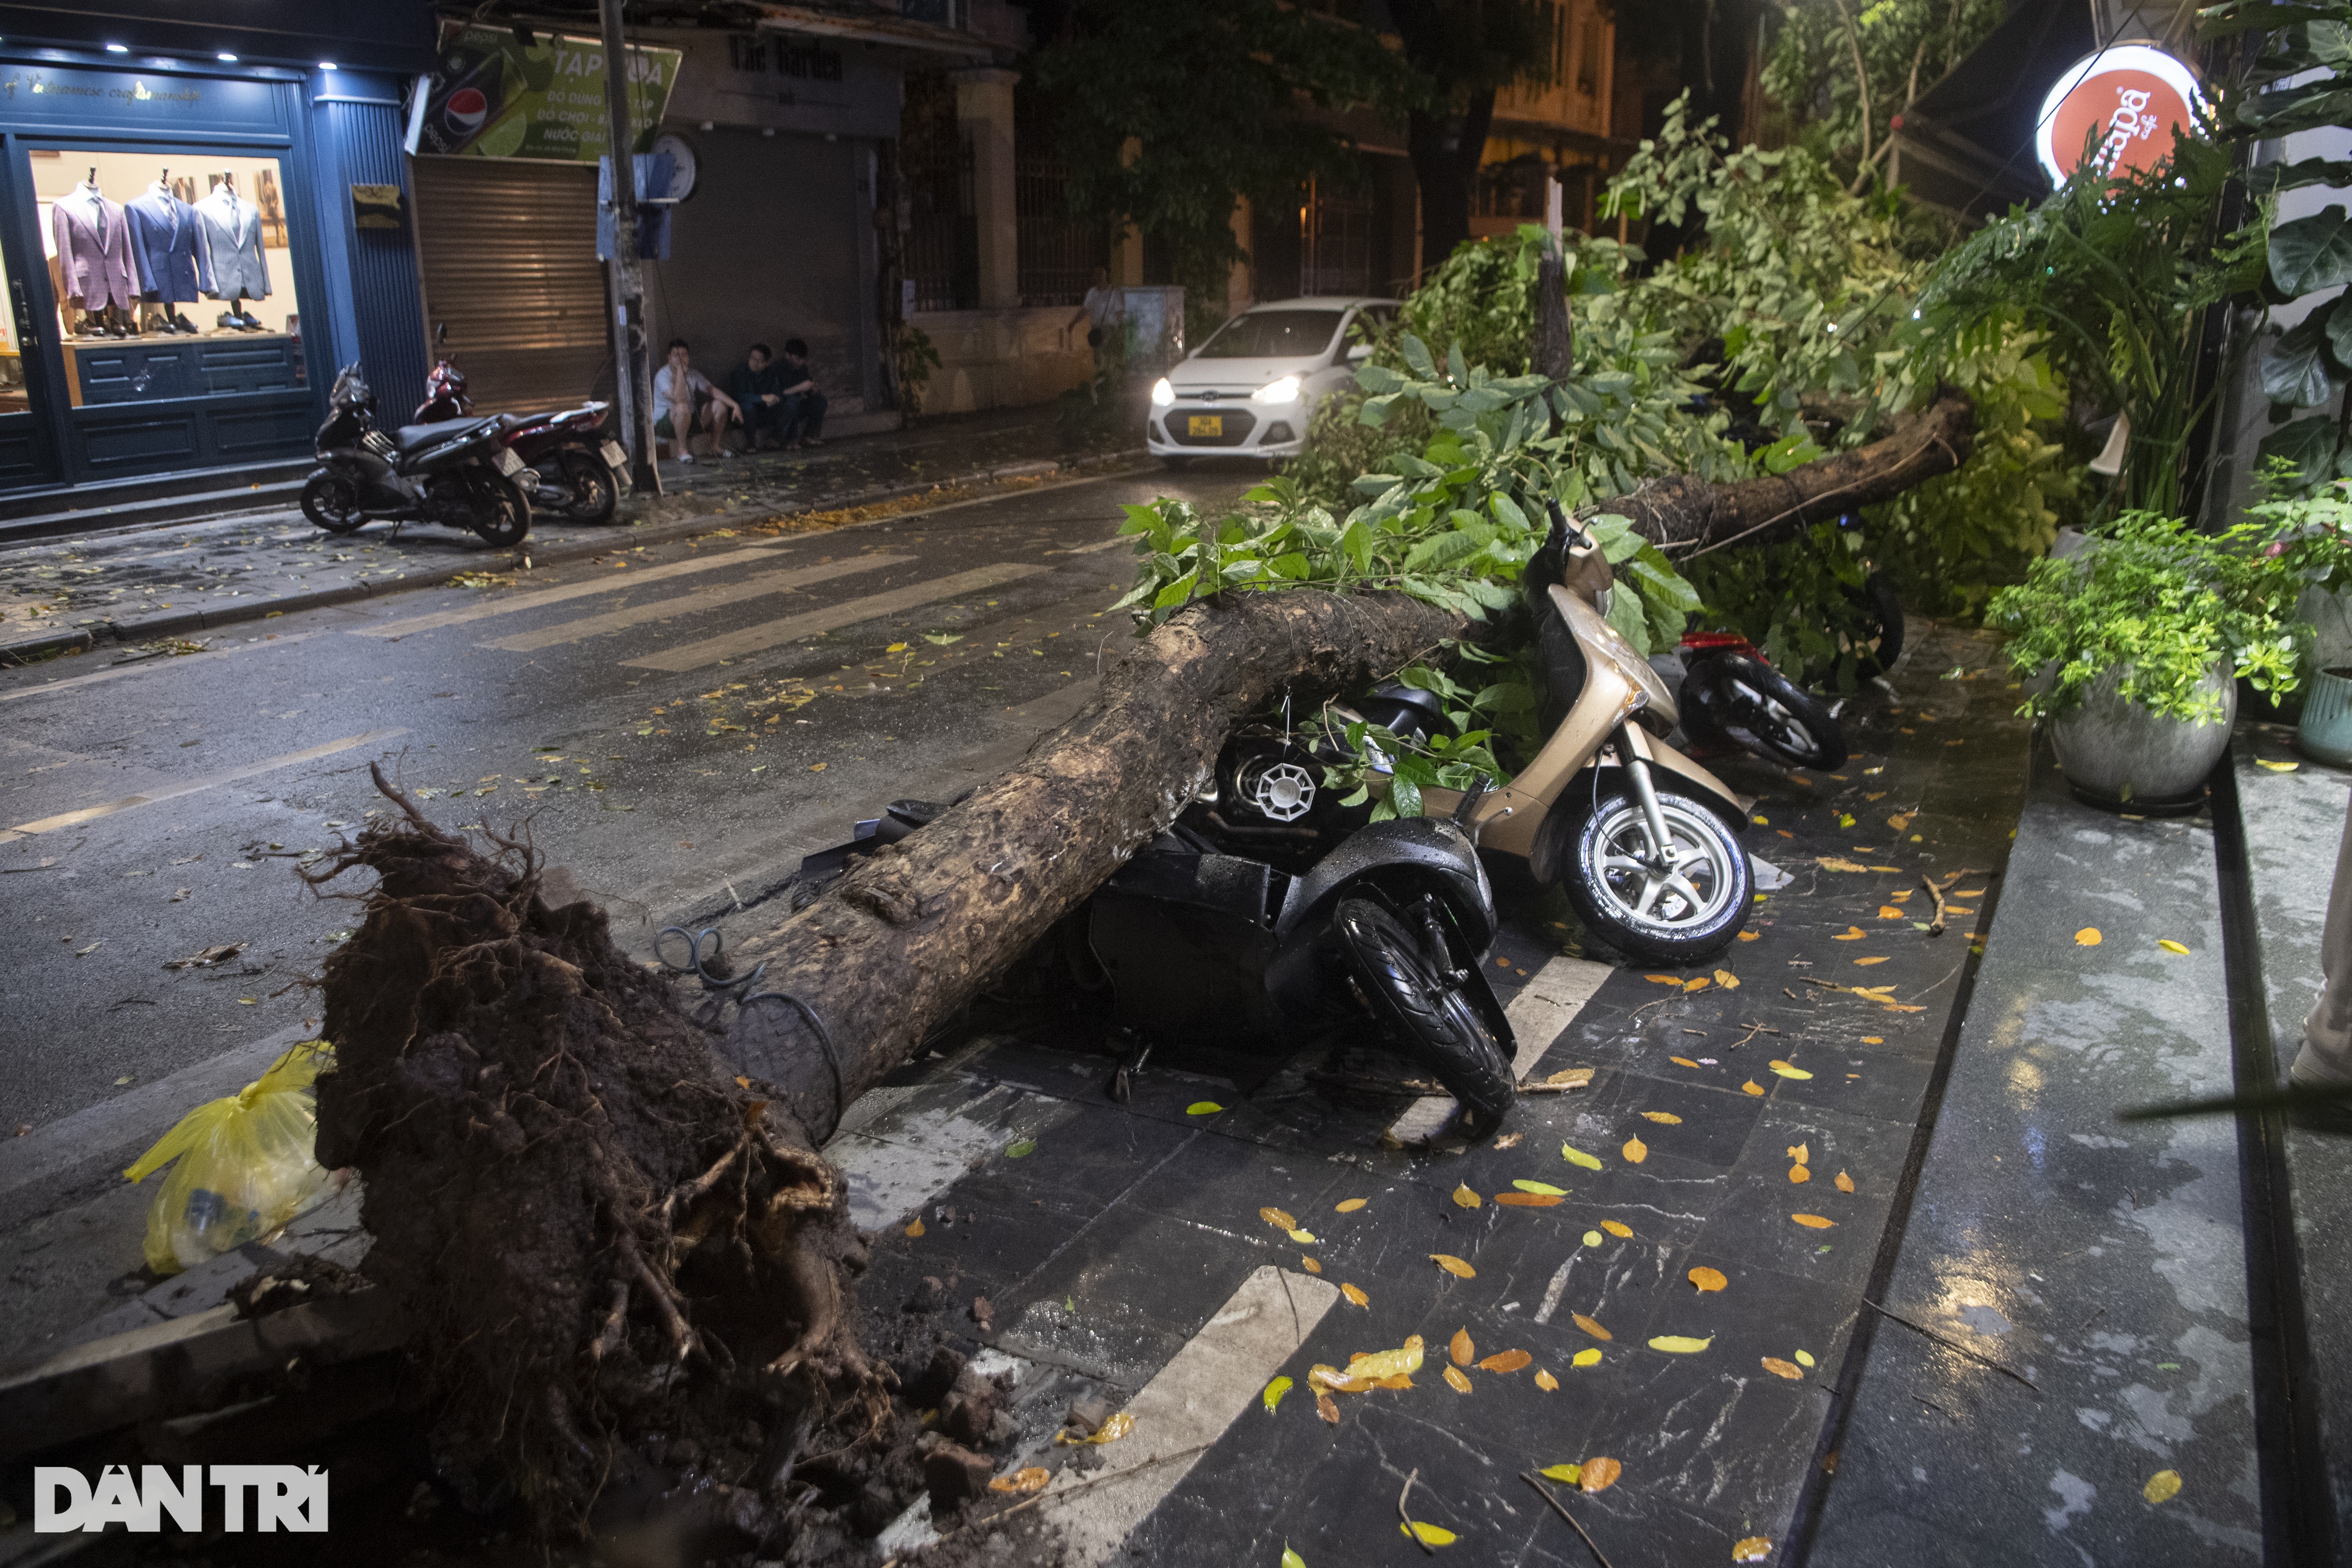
column 459, row 473
column 1244, row 922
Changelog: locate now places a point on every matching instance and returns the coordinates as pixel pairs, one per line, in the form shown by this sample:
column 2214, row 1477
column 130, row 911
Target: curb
column 84, row 638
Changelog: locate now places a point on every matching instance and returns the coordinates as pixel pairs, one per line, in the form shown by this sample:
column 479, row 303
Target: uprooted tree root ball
column 632, row 1278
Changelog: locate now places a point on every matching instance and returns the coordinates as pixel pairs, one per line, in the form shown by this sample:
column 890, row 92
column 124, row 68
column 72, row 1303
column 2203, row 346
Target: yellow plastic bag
column 246, row 1165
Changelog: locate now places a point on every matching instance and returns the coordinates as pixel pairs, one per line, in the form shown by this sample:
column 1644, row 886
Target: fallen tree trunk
column 914, row 934
column 1686, row 516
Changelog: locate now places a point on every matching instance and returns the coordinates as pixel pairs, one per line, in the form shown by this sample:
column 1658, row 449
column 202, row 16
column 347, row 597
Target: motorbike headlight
column 1283, row 391
column 1162, row 394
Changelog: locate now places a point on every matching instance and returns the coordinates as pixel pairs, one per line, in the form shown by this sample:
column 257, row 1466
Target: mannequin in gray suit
column 229, row 233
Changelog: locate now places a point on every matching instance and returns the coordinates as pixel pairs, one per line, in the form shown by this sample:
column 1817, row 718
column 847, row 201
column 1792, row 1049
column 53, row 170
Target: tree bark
column 1446, row 151
column 1686, row 516
column 914, row 934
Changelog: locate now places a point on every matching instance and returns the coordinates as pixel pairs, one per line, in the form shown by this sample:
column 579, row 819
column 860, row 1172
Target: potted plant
column 2134, row 644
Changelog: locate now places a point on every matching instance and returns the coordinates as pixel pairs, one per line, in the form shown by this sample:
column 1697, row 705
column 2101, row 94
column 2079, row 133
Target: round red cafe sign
column 2123, row 103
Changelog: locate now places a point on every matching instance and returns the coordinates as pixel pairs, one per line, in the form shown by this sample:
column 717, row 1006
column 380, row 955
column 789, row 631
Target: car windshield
column 1272, row 334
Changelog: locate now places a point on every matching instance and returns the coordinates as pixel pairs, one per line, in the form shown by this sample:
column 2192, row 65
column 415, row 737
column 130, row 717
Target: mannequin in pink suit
column 93, row 241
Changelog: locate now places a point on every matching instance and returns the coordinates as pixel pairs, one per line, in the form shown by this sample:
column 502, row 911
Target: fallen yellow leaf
column 1780, row 1368
column 1890, row 912
column 1701, row 983
column 1326, row 1408
column 1636, row 1151
column 1853, row 933
column 1750, row 935
column 1897, row 869
column 1785, row 1070
column 1900, row 822
column 1457, row 1380
column 1110, row 1431
column 1427, row 1534
column 1680, row 1344
column 1031, row 1478
column 1751, row 1087
column 1798, row 1173
column 1599, row 1475
column 1528, row 1200
column 1682, row 1062
column 1354, row 1298
column 1453, row 1266
column 1844, row 1183
column 1728, row 980
column 1570, row 1474
column 1505, row 1360
column 1874, row 1039
column 2088, row 937
column 1708, row 1280
column 1592, row 1238
column 1578, row 1157
column 1902, row 898
column 2169, row 945
column 1755, row 1548
column 1349, row 1205
column 1587, row 1356
column 1460, row 1347
column 1303, row 1238
column 1804, row 1358
column 1617, row 1228
column 1310, row 1264
column 1202, row 1107
column 1663, row 979
column 1802, row 1153
column 2162, row 1487
column 1837, row 863
column 1590, row 1326
column 2276, row 767
column 1271, row 1395
column 1277, row 1218
column 1667, row 1117
column 916, row 1229
column 1812, row 1221
column 1464, row 1198
column 1881, row 959
column 1545, row 1381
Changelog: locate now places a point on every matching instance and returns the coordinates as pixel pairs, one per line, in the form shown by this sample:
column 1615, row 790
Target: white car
column 1249, row 391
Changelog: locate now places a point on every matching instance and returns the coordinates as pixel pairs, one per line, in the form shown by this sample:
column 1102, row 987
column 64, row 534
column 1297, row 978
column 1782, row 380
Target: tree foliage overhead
column 1901, row 47
column 1168, row 113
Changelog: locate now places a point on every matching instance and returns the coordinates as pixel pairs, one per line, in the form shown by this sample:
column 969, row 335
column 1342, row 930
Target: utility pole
column 630, row 358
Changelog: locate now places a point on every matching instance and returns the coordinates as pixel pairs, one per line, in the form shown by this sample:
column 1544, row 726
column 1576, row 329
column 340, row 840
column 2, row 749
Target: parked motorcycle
column 574, row 465
column 458, row 473
column 1732, row 698
column 1200, row 935
column 1644, row 842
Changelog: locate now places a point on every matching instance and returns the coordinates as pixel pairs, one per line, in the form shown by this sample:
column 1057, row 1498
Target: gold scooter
column 1643, row 840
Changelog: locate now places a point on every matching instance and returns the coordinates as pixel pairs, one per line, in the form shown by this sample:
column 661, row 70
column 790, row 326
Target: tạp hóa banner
column 492, row 98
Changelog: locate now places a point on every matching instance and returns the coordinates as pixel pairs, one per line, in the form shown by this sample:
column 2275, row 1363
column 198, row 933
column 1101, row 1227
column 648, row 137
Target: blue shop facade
column 200, row 218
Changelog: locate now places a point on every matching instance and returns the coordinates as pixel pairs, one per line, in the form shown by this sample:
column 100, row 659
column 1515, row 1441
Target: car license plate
column 1205, row 425
column 614, row 457
column 509, row 464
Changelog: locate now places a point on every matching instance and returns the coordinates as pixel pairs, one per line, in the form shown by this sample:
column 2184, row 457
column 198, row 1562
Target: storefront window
column 172, row 274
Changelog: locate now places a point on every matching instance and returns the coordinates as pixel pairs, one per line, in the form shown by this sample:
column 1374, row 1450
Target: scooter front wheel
column 331, row 501
column 1731, row 696
column 594, row 492
column 1660, row 909
column 1410, row 993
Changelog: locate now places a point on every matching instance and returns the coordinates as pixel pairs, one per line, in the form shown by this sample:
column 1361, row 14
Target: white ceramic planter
column 2122, row 756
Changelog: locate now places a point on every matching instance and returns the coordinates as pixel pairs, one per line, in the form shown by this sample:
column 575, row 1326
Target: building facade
column 201, row 217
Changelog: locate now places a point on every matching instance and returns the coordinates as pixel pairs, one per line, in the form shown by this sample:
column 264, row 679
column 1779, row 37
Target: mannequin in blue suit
column 172, row 266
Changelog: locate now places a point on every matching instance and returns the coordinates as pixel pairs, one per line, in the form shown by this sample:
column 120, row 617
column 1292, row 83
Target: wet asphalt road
column 675, row 725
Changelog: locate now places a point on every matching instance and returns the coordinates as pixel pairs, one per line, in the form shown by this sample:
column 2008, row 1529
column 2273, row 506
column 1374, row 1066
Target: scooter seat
column 410, row 438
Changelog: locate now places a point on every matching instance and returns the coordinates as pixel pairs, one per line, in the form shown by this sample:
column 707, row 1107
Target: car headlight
column 1162, row 394
column 1283, row 391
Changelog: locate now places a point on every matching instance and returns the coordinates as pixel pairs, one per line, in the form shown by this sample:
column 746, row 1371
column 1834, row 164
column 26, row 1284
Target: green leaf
column 2308, row 443
column 2311, row 253
column 1271, row 1397
column 2272, row 178
column 1291, row 1559
column 1202, row 1107
column 2295, row 371
column 1570, row 1474
column 1417, row 354
column 1404, row 796
column 1022, row 1150
column 1625, row 614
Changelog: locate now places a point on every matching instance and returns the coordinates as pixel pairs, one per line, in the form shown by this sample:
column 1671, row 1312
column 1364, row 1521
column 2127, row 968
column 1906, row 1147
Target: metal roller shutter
column 510, row 255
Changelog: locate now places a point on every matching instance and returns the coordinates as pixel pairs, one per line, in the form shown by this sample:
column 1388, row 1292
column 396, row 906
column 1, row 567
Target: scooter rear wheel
column 1731, row 698
column 594, row 492
column 1430, row 1018
column 502, row 513
column 1667, row 915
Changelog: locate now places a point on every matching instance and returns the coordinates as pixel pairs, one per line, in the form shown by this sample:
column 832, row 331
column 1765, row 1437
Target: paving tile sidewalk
column 181, row 580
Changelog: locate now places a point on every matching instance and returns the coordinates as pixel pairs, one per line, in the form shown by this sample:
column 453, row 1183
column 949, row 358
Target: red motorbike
column 1733, row 699
column 572, row 467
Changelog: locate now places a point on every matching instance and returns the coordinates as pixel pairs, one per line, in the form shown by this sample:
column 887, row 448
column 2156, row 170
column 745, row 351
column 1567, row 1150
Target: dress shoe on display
column 180, row 323
column 228, row 320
